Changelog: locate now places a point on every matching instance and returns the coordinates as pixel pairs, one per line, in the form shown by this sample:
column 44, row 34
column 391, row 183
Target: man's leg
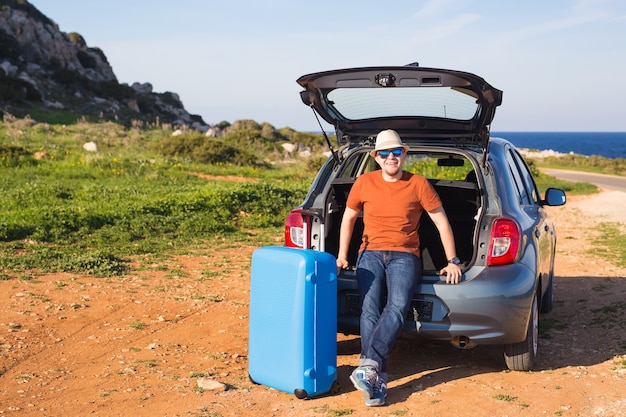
column 403, row 272
column 372, row 290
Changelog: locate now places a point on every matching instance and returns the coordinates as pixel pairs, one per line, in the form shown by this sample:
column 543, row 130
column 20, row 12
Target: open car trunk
column 461, row 201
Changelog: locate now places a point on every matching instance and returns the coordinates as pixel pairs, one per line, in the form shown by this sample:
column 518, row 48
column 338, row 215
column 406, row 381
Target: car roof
column 424, row 105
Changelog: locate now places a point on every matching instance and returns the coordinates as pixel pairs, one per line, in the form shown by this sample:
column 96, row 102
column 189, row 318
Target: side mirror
column 555, row 197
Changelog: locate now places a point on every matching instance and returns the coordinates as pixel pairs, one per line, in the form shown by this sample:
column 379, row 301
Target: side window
column 370, row 165
column 527, row 177
column 520, row 185
column 357, row 164
column 353, row 166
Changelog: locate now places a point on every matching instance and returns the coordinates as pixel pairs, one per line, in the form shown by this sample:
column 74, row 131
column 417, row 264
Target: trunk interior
column 461, row 201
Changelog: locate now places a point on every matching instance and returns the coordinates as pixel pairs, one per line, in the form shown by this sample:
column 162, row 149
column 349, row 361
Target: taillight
column 295, row 230
column 504, row 243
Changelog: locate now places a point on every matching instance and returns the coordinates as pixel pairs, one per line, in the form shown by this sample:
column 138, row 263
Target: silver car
column 504, row 238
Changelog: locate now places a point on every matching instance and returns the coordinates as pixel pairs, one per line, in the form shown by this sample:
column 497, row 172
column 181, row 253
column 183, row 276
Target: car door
column 542, row 230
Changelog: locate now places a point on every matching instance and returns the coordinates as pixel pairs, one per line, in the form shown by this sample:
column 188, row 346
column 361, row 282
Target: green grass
column 619, row 362
column 571, row 188
column 75, row 211
column 147, row 194
column 610, row 243
column 327, row 411
column 593, row 163
column 545, row 181
column 504, row 397
column 138, row 325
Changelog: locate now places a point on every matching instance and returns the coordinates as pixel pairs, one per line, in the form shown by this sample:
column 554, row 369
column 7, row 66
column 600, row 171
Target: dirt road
column 608, row 182
column 139, row 345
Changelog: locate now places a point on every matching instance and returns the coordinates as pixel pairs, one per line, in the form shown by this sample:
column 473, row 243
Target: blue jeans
column 387, row 281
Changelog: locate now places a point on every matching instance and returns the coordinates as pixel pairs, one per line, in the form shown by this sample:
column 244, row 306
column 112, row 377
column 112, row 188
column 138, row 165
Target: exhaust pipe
column 462, row 342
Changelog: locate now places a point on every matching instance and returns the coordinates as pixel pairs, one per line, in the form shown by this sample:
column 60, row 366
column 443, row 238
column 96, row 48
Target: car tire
column 521, row 356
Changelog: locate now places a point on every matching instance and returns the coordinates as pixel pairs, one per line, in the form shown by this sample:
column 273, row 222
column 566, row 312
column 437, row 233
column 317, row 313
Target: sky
column 560, row 63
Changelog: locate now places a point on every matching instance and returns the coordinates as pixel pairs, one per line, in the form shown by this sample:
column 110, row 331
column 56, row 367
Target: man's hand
column 342, row 263
column 453, row 273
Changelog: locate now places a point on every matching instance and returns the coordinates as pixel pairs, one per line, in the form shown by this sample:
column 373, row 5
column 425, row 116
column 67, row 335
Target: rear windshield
column 432, row 165
column 371, row 103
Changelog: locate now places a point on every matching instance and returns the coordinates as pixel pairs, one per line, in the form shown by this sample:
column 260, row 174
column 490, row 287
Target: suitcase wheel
column 300, row 394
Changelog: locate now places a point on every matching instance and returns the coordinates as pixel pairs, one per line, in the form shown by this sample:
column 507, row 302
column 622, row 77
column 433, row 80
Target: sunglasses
column 396, row 152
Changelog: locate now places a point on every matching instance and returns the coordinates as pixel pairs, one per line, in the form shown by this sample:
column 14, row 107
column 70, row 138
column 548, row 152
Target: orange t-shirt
column 392, row 210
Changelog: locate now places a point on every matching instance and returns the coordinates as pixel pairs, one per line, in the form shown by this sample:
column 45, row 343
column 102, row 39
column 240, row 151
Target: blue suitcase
column 292, row 342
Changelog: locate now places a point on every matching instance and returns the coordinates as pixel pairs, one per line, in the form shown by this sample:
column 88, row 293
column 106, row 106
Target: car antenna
column 330, row 146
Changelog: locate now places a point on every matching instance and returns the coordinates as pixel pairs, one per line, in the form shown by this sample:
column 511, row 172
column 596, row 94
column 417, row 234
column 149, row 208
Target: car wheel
column 521, row 356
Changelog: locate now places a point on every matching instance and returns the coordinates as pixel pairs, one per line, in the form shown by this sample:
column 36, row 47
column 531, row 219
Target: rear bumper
column 490, row 306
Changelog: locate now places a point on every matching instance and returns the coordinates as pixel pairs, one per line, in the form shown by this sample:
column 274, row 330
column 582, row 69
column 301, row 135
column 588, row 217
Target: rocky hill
column 44, row 70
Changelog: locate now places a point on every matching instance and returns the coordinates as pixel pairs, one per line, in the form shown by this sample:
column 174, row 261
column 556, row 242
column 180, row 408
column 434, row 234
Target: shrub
column 84, row 212
column 97, row 263
column 244, row 124
column 198, row 148
column 13, row 156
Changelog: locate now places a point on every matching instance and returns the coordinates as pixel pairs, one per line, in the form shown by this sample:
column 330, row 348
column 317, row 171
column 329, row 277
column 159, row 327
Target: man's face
column 390, row 160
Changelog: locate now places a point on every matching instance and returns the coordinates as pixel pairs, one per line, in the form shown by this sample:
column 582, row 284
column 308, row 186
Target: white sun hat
column 388, row 139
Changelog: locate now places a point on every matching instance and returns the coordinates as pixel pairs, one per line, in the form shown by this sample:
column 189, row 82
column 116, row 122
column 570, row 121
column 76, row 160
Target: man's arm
column 345, row 235
column 439, row 218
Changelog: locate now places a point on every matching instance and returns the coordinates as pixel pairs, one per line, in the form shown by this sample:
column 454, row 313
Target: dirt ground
column 141, row 345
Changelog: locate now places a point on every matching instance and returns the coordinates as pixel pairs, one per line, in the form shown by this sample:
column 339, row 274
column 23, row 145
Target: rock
column 8, row 69
column 90, row 147
column 213, row 132
column 41, row 65
column 132, row 104
column 289, row 147
column 211, row 385
column 40, row 41
column 145, row 88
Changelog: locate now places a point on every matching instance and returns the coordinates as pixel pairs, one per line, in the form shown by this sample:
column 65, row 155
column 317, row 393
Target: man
column 388, row 264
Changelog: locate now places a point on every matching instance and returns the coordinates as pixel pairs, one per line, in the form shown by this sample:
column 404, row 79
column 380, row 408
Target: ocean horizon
column 607, row 144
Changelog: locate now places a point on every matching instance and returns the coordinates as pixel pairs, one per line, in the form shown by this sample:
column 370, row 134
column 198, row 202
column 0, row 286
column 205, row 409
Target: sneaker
column 379, row 392
column 364, row 378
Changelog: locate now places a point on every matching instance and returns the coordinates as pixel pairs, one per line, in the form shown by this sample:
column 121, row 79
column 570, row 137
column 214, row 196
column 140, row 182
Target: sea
column 607, row 144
